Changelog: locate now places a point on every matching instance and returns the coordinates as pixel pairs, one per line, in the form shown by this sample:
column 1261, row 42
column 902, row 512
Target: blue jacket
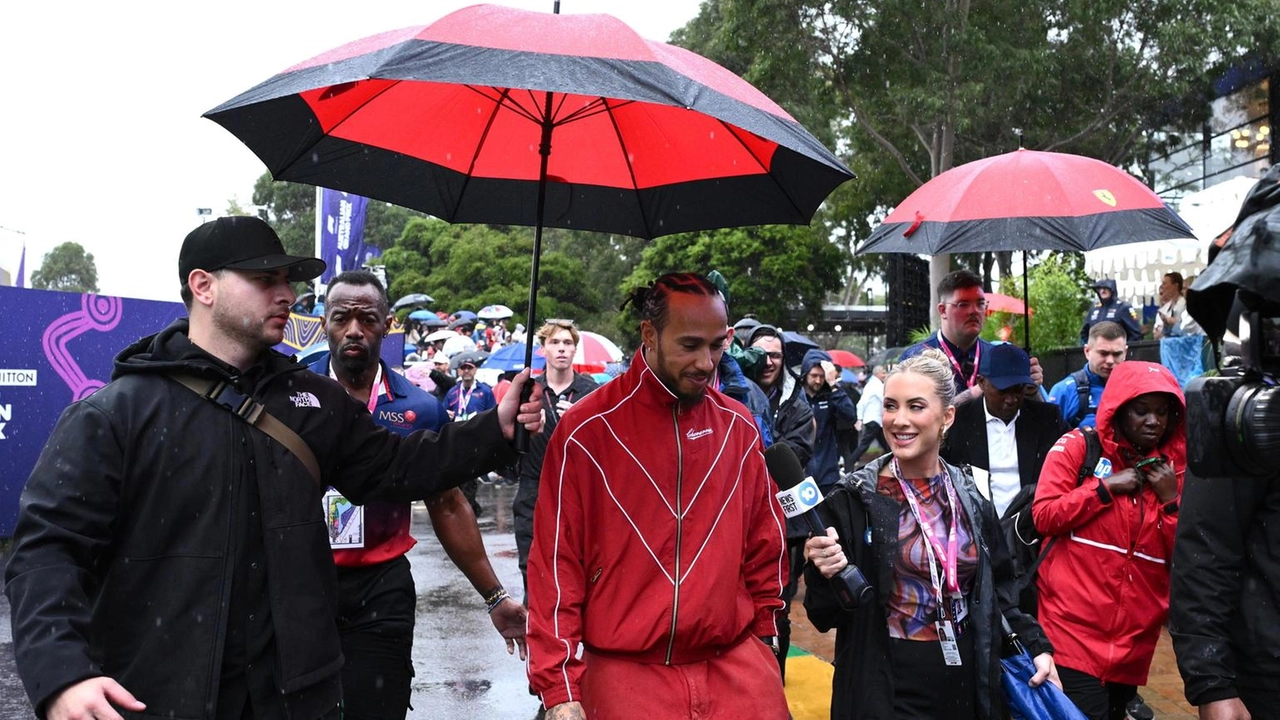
column 1067, row 395
column 934, row 341
column 1114, row 310
column 828, row 406
column 464, row 406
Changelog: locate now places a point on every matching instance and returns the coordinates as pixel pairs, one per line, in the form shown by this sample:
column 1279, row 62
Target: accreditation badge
column 344, row 521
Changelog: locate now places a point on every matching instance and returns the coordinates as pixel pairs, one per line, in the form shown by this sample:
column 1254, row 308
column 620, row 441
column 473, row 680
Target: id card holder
column 947, row 637
column 344, row 521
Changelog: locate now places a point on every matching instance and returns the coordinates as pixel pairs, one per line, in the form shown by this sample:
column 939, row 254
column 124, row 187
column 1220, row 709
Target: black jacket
column 121, row 563
column 863, row 686
column 531, row 461
column 1224, row 609
column 1039, row 427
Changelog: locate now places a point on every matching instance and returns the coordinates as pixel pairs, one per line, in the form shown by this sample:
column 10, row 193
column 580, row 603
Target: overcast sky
column 101, row 135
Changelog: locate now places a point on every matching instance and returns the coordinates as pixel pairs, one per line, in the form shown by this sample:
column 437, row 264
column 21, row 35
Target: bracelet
column 494, row 598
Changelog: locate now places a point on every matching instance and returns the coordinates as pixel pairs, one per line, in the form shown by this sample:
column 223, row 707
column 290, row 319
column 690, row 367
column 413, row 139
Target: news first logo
column 800, row 499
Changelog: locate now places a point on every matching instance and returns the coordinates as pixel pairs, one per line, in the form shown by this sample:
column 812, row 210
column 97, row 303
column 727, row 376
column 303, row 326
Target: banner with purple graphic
column 60, row 347
column 341, row 228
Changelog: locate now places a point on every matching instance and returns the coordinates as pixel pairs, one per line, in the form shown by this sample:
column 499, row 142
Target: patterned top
column 911, row 606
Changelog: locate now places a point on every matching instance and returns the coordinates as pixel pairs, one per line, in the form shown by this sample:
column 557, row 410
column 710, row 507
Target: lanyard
column 373, row 391
column 977, row 357
column 933, row 546
column 464, row 401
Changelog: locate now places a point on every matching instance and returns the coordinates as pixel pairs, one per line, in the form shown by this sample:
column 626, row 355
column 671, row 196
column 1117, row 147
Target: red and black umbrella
column 1026, row 200
column 507, row 116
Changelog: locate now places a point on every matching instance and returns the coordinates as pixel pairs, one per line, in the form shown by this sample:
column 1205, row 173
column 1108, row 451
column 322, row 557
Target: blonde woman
column 928, row 645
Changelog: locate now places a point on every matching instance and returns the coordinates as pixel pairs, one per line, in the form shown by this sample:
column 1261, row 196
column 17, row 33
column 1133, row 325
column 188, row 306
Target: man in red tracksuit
column 658, row 544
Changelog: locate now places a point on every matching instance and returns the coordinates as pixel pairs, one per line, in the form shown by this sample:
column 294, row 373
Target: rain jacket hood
column 1129, row 380
column 812, row 359
column 1109, row 285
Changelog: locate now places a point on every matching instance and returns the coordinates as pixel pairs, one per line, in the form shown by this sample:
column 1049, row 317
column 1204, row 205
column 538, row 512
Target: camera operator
column 1225, row 597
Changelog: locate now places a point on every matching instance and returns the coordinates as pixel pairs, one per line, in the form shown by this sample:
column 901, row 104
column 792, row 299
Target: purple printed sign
column 59, row 347
column 342, row 233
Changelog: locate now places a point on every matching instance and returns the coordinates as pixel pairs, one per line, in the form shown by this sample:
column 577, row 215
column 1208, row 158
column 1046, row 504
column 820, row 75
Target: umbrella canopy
column 457, row 344
column 468, row 357
column 463, row 315
column 440, row 335
column 426, row 317
column 495, row 312
column 845, row 359
column 998, row 302
column 506, row 116
column 412, row 300
column 508, row 358
column 1026, row 200
column 595, row 349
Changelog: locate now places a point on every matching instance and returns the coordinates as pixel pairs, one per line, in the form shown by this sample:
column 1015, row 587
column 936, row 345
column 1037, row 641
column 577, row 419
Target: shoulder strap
column 1092, row 454
column 1083, row 395
column 252, row 412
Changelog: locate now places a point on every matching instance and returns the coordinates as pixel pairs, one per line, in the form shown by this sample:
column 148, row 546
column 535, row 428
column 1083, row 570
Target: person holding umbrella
column 962, row 309
column 169, row 554
column 928, row 644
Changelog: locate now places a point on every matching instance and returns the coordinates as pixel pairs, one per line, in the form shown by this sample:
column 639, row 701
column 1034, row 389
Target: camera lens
column 1253, row 426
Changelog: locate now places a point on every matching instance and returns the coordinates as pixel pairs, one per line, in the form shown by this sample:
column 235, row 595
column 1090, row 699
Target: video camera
column 1236, row 415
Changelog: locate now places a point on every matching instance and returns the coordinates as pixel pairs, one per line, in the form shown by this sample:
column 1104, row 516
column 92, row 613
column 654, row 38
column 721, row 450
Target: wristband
column 494, row 598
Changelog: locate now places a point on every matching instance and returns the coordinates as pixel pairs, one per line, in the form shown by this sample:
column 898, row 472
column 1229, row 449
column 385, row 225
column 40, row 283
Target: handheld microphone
column 800, row 496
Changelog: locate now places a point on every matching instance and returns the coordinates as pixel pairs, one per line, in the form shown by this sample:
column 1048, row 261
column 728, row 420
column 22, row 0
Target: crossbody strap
column 222, row 393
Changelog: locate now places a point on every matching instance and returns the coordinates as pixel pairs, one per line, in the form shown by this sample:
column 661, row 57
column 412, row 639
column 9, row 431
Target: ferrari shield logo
column 1105, row 196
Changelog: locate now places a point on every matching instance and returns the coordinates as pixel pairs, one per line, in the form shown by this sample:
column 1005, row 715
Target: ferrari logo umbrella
column 1026, row 200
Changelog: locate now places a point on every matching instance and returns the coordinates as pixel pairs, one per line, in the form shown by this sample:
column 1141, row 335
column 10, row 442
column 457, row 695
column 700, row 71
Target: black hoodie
column 123, row 554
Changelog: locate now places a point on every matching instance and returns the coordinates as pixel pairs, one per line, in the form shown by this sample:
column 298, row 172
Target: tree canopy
column 68, row 268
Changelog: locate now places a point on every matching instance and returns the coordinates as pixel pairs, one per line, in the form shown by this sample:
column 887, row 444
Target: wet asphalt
column 461, row 664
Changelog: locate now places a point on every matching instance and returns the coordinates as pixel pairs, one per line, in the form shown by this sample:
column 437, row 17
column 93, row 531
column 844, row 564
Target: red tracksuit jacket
column 657, row 536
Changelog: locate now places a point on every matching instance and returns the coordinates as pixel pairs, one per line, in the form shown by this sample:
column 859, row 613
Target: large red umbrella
column 507, row 116
column 1026, row 200
column 998, row 302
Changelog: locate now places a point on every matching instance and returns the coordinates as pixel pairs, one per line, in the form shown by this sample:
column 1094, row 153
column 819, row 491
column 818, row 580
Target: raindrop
column 712, row 135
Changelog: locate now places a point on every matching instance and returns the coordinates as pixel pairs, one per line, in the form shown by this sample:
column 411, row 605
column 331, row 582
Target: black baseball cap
column 241, row 243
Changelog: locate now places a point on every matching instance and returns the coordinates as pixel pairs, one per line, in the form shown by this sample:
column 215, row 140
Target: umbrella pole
column 1026, row 307
column 522, row 435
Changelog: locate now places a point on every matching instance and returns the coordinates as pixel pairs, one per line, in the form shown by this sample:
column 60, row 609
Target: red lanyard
column 378, row 380
column 977, row 357
column 933, row 546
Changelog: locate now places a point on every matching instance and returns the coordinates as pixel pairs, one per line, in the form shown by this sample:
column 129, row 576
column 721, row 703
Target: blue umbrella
column 427, row 319
column 461, row 314
column 508, row 358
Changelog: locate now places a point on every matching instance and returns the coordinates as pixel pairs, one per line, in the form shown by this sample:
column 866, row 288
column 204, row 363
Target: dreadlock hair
column 652, row 301
column 367, row 279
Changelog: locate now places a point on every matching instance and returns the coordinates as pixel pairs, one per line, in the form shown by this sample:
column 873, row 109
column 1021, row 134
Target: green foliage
column 1058, row 300
column 68, row 268
column 470, row 266
column 774, row 271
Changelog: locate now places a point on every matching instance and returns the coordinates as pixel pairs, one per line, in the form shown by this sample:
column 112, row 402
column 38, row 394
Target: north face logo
column 305, row 399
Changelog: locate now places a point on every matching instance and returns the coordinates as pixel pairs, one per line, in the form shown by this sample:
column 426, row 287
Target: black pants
column 375, row 624
column 522, row 520
column 871, row 432
column 1096, row 699
column 926, row 688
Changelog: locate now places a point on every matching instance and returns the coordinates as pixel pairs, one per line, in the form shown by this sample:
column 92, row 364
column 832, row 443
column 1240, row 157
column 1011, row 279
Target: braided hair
column 653, row 301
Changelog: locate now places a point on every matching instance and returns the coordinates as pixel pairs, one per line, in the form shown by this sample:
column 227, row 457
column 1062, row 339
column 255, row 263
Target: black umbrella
column 472, row 357
column 412, row 300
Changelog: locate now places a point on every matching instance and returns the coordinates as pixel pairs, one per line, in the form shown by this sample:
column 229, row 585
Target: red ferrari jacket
column 657, row 536
column 1104, row 585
